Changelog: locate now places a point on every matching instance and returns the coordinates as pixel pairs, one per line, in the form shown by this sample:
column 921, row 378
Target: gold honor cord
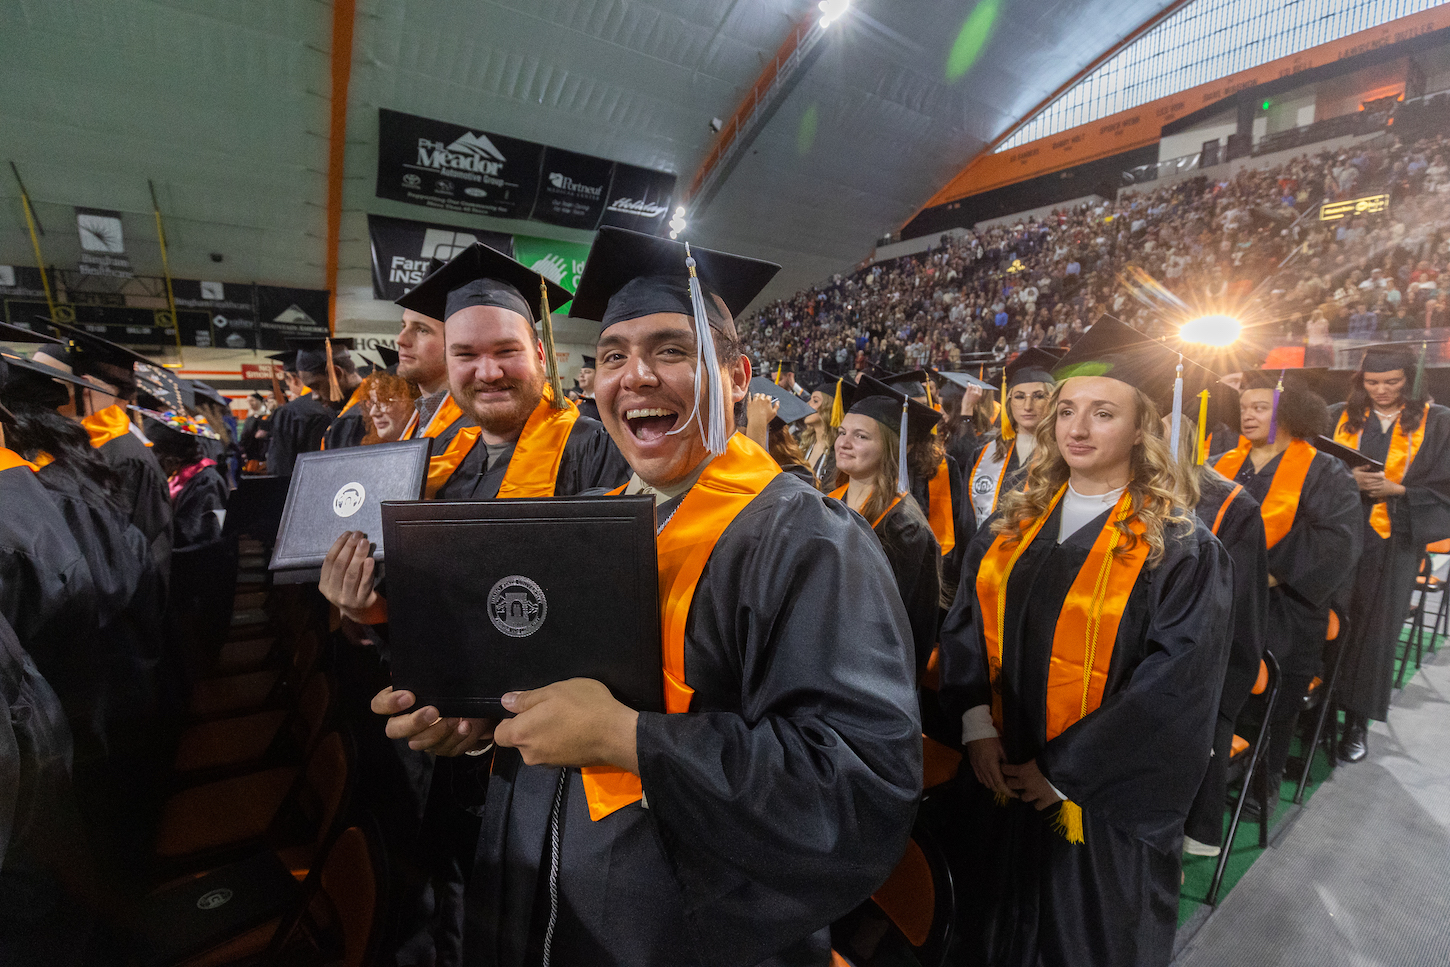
column 551, row 362
column 166, row 271
column 34, row 240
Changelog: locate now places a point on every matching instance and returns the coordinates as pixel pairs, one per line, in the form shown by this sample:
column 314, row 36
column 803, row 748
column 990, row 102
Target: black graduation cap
column 964, row 380
column 158, row 387
column 208, row 392
column 287, row 359
column 1385, row 356
column 630, row 274
column 1032, row 366
column 912, row 383
column 22, row 380
column 9, row 333
column 92, row 355
column 311, row 351
column 1118, row 351
column 792, row 407
column 589, row 362
column 883, row 404
column 161, row 422
column 812, row 379
column 389, row 357
column 483, row 276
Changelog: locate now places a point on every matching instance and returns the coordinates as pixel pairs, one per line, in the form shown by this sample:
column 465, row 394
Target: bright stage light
column 1211, row 330
column 832, row 10
column 677, row 224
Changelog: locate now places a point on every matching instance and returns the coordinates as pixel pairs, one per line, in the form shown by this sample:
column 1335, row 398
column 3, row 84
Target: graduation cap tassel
column 838, row 407
column 334, row 391
column 903, row 481
column 1274, row 416
column 551, row 362
column 713, row 430
column 777, row 373
column 1417, row 389
column 1202, row 450
column 1009, row 432
column 1177, row 423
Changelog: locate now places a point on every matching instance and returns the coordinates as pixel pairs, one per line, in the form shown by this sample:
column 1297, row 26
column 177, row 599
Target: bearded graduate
column 873, row 463
column 1001, row 461
column 1312, row 529
column 1084, row 656
column 1404, row 507
column 777, row 790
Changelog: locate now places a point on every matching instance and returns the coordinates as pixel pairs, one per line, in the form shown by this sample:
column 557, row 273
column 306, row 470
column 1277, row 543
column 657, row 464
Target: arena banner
column 573, row 189
column 209, row 314
column 639, row 199
column 561, row 262
column 437, row 164
column 440, row 165
column 401, row 249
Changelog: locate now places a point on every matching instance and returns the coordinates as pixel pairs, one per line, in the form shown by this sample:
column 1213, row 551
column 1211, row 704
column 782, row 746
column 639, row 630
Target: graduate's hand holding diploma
column 427, row 731
column 570, row 723
column 347, row 576
column 1029, row 784
column 1374, row 484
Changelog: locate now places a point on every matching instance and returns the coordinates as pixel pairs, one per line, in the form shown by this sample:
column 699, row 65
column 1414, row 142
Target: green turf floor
column 1198, row 870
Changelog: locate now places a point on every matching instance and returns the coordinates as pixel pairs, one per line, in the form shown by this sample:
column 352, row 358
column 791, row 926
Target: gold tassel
column 1009, row 432
column 551, row 362
column 334, row 391
column 1001, row 798
column 838, row 409
column 777, row 373
column 1069, row 821
column 1202, row 427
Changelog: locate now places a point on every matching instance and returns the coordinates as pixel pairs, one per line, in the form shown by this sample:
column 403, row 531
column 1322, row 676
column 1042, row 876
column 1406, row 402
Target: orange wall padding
column 343, row 12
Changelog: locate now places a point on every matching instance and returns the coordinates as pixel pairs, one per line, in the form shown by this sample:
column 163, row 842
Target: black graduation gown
column 588, row 407
column 144, row 497
column 1241, row 532
column 196, row 521
column 47, row 593
column 1385, row 579
column 962, row 448
column 777, row 804
column 964, row 519
column 915, row 559
column 590, row 461
column 1133, row 764
column 347, row 430
column 35, row 756
column 297, row 427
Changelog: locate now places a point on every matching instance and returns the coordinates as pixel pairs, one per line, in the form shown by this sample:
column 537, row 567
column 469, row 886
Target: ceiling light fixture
column 832, row 10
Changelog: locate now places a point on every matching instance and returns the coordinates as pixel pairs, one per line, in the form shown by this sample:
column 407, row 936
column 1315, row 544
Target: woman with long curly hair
column 1404, row 506
column 1083, row 656
column 868, row 458
column 387, row 403
column 1001, row 461
column 818, row 434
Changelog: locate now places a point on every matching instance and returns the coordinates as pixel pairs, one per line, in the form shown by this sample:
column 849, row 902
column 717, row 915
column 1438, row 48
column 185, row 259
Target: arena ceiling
column 224, row 105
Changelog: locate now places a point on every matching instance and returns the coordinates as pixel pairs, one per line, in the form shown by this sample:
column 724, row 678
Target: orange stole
column 1397, row 462
column 442, row 465
column 9, row 460
column 1223, row 508
column 1087, row 627
column 1281, row 503
column 106, row 425
column 730, row 482
column 840, row 494
column 939, row 515
column 535, row 462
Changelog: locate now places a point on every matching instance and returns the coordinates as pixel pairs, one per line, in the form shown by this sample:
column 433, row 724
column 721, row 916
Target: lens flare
column 1211, row 331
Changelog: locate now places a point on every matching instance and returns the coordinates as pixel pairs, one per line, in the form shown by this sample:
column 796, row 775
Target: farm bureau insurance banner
column 446, row 166
column 401, row 249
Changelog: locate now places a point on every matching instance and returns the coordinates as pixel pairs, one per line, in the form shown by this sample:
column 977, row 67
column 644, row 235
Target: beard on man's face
column 497, row 415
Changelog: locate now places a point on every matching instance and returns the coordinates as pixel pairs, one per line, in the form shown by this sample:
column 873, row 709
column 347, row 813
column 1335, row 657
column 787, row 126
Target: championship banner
column 573, row 189
column 456, row 169
column 560, row 262
column 639, row 199
column 401, row 249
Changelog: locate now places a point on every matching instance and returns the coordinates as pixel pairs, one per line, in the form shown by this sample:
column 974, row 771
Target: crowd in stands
column 1251, row 243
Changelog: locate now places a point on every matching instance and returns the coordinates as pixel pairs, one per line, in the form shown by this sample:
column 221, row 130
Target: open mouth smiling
column 649, row 424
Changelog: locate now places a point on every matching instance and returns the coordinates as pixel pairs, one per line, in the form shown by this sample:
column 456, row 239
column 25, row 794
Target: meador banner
column 401, row 249
column 446, row 166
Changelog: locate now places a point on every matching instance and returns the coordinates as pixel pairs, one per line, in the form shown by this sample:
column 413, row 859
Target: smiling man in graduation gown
column 110, row 369
column 778, row 789
column 1405, row 507
column 298, row 425
column 1085, row 666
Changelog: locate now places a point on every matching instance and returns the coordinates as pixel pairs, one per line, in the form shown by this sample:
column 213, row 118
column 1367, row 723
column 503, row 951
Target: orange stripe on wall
column 1143, row 125
column 342, row 22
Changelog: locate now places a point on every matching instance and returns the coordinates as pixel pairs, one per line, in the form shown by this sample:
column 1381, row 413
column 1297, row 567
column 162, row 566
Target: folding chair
column 255, row 691
column 1323, row 695
column 1250, row 755
column 341, row 925
column 909, row 920
column 1427, row 584
column 269, row 737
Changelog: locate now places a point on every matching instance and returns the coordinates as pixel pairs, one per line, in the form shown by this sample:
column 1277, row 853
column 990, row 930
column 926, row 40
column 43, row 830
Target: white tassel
column 715, row 433
column 1177, row 422
column 903, row 481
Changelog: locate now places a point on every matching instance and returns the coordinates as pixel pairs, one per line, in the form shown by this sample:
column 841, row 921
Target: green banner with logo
column 560, row 262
